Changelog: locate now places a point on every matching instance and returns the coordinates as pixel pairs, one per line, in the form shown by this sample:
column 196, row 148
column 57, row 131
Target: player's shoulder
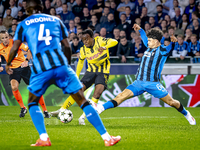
column 83, row 50
column 39, row 18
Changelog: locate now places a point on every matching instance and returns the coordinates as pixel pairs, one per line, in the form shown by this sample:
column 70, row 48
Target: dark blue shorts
column 154, row 88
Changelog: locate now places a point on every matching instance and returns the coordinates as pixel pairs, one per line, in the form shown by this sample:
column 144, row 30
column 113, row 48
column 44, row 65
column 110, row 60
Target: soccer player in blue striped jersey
column 148, row 74
column 43, row 33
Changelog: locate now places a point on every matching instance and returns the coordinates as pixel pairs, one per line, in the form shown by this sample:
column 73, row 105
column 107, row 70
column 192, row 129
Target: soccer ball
column 65, row 116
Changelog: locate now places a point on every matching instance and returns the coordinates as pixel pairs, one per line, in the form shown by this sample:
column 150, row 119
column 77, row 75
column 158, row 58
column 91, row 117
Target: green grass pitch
column 140, row 129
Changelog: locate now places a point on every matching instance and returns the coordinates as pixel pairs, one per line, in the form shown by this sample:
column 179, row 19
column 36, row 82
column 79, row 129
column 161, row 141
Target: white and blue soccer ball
column 65, row 116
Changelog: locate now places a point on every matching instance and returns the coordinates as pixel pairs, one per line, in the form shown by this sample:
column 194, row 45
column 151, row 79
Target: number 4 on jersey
column 46, row 38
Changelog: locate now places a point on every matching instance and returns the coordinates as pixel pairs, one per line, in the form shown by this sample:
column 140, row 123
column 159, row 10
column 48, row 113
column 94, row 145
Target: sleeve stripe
column 20, row 33
column 63, row 31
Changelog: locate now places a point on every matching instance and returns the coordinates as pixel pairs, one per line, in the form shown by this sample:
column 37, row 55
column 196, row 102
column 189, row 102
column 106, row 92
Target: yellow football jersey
column 97, row 61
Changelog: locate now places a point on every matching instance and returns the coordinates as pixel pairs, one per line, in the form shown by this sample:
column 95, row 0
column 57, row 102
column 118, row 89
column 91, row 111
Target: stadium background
column 185, row 87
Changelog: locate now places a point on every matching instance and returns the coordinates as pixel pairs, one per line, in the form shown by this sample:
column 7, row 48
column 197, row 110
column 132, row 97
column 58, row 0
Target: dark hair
column 91, row 27
column 155, row 33
column 159, row 6
column 128, row 7
column 164, row 20
column 88, row 31
column 122, row 37
column 167, row 39
column 14, row 19
column 123, row 14
column 170, row 27
column 3, row 31
column 165, row 31
column 63, row 4
column 195, row 13
column 34, row 5
column 75, row 37
column 14, row 24
column 106, row 7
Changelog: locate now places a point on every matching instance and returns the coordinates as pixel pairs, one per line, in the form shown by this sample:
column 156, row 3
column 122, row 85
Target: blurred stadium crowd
column 115, row 18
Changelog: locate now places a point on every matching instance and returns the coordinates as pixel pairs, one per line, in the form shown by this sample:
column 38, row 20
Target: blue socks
column 93, row 118
column 37, row 117
column 110, row 104
column 182, row 110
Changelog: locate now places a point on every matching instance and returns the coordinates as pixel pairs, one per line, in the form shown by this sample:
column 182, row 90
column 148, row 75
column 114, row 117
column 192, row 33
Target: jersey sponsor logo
column 40, row 19
column 94, row 56
column 147, row 54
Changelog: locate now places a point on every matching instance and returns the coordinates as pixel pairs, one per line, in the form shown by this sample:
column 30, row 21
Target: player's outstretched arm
column 67, row 50
column 111, row 43
column 142, row 34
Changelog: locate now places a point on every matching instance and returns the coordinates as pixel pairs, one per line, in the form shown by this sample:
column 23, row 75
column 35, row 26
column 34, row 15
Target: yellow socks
column 68, row 102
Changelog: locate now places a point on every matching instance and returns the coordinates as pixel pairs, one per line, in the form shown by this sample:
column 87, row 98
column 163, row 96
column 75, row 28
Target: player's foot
column 23, row 112
column 55, row 113
column 46, row 114
column 100, row 108
column 81, row 120
column 114, row 140
column 190, row 119
column 94, row 105
column 39, row 142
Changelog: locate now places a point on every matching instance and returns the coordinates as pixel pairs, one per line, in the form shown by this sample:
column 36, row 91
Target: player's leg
column 38, row 85
column 87, row 81
column 99, row 88
column 15, row 79
column 69, row 82
column 44, row 108
column 132, row 90
column 157, row 90
column 94, row 119
column 176, row 104
column 38, row 120
column 26, row 74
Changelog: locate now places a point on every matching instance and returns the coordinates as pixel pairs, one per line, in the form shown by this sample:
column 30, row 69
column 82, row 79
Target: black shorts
column 95, row 78
column 19, row 73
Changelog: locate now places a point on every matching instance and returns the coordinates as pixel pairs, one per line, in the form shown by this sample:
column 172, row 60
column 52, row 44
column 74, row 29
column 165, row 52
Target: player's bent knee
column 14, row 88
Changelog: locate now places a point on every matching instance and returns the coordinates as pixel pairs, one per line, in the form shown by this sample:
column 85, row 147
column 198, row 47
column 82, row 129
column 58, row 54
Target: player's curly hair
column 88, row 31
column 34, row 6
column 155, row 33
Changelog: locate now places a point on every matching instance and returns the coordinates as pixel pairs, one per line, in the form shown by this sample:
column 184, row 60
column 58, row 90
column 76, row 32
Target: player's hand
column 101, row 49
column 173, row 38
column 24, row 64
column 136, row 27
column 8, row 70
column 1, row 69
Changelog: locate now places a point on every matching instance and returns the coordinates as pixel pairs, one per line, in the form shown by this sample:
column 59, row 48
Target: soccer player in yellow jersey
column 95, row 50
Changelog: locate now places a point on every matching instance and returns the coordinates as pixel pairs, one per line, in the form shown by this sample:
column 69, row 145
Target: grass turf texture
column 140, row 128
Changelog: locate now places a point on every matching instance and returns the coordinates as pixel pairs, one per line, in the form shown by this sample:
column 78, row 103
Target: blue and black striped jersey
column 43, row 34
column 152, row 61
